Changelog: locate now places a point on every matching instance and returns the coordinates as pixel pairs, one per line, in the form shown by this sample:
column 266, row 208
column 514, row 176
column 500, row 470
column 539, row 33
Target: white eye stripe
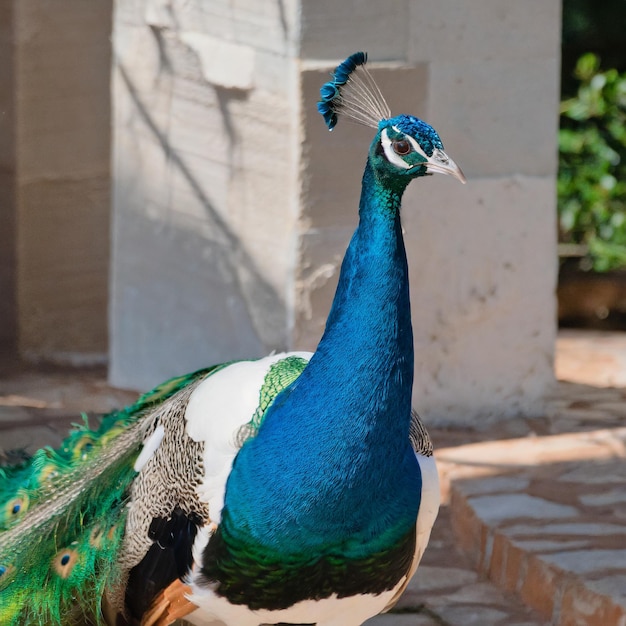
column 392, row 157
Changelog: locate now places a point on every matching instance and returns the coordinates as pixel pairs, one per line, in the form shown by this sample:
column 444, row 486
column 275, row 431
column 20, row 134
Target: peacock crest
column 353, row 93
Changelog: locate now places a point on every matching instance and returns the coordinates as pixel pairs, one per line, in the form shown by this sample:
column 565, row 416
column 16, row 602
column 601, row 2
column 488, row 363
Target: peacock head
column 405, row 147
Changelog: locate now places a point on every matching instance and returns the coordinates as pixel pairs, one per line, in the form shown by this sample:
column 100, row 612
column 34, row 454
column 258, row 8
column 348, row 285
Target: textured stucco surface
column 205, row 186
column 8, row 302
column 483, row 301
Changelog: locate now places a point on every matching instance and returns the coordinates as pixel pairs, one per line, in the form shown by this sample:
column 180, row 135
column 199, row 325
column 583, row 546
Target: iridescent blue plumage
column 413, row 126
column 348, row 66
column 330, row 91
column 350, row 500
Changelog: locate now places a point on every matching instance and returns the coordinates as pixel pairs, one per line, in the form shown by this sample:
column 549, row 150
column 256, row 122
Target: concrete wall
column 54, row 170
column 205, row 184
column 233, row 204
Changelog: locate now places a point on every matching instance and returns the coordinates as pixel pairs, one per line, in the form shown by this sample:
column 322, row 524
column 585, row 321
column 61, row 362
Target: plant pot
column 589, row 299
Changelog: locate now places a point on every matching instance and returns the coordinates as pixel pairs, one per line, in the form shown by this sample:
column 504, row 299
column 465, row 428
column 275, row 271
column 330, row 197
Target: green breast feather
column 279, row 376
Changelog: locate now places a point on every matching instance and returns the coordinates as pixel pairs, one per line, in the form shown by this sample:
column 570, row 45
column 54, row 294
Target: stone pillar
column 234, row 205
column 206, row 167
column 54, row 171
column 485, row 256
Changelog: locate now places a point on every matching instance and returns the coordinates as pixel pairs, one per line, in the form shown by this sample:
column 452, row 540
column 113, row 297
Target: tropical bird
column 295, row 489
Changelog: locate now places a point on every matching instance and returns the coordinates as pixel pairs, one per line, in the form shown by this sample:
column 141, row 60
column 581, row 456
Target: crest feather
column 354, row 94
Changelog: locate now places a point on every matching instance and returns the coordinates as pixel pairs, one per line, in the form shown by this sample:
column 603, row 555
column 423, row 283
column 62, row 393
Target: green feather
column 280, row 375
column 62, row 516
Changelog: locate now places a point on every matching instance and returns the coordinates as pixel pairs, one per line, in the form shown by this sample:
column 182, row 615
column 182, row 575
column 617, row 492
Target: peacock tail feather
column 63, row 515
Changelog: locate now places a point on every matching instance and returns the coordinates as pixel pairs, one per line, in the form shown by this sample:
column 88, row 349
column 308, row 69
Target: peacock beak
column 441, row 163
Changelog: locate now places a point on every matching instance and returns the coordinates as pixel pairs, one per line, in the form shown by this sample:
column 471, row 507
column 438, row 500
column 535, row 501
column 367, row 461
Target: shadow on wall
column 215, row 277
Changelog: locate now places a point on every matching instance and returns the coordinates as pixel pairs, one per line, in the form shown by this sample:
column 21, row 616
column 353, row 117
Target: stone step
column 545, row 518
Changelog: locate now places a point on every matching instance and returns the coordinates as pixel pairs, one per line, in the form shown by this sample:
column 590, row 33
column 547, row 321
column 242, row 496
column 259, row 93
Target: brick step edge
column 559, row 596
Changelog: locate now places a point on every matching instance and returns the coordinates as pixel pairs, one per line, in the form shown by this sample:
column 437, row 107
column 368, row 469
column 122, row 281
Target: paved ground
column 544, row 516
column 533, row 529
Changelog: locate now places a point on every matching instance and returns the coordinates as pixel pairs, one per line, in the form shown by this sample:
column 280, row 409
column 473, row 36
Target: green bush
column 592, row 165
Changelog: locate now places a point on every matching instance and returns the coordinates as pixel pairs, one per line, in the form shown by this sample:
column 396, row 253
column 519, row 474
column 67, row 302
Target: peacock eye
column 401, row 147
column 64, row 562
column 5, row 572
column 16, row 507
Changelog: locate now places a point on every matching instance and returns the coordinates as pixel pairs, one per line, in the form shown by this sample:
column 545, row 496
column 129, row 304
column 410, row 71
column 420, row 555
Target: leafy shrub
column 592, row 165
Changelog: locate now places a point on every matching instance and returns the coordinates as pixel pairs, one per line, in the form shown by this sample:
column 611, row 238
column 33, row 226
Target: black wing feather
column 169, row 558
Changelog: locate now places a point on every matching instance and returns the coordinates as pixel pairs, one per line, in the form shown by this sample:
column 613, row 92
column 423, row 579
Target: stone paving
column 38, row 407
column 533, row 527
column 544, row 515
column 591, row 357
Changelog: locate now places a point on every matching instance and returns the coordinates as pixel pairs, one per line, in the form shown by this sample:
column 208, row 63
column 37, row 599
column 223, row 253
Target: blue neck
column 368, row 331
column 365, row 357
column 354, row 481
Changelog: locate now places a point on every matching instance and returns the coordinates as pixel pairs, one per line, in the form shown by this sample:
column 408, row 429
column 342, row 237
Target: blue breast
column 331, row 470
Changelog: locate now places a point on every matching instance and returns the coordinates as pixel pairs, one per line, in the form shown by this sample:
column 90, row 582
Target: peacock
column 297, row 488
